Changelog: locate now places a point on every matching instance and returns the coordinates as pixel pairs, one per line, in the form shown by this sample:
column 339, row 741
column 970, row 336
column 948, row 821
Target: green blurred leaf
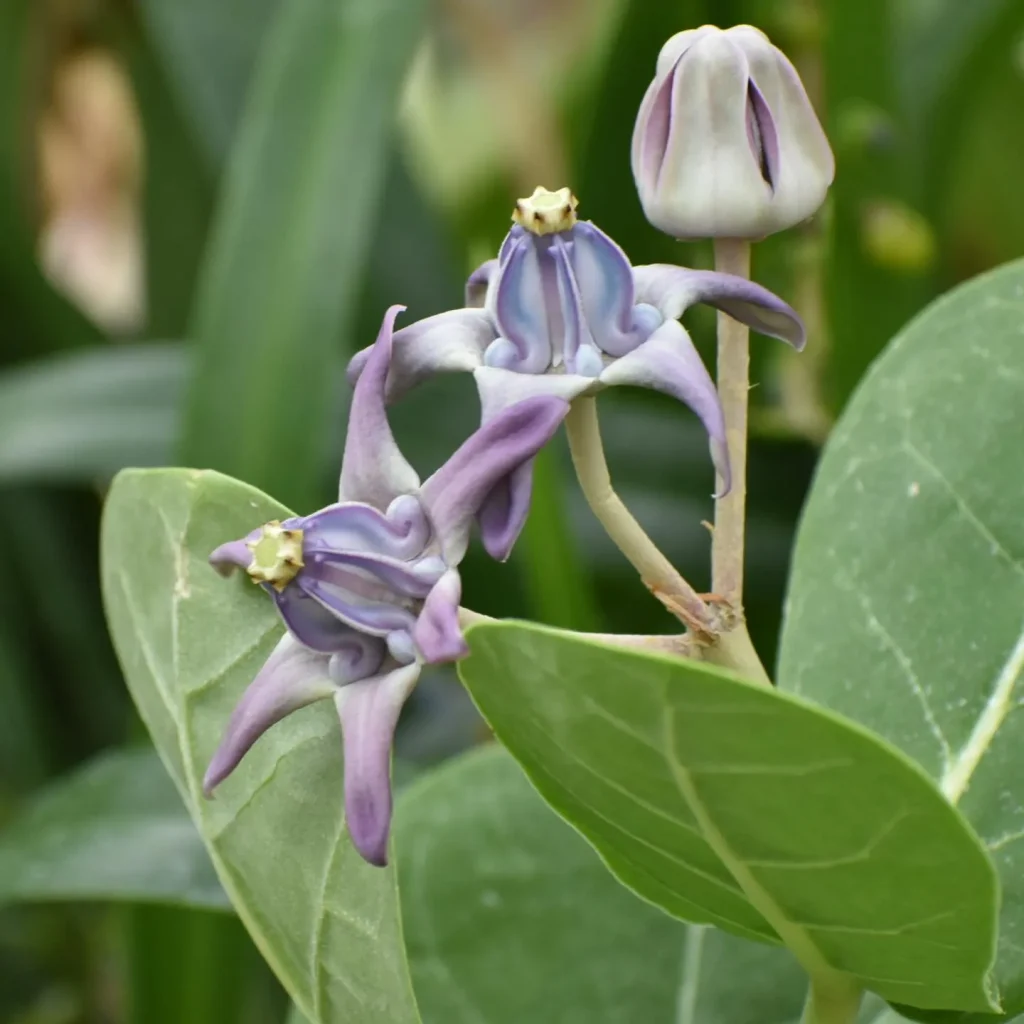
column 905, row 608
column 115, row 829
column 210, row 51
column 85, row 415
column 189, row 643
column 716, row 799
column 291, row 241
column 881, row 249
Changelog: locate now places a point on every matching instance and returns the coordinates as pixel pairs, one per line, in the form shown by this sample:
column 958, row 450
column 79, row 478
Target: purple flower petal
column 579, row 351
column 373, row 469
column 369, row 712
column 235, row 554
column 605, row 280
column 674, row 289
column 401, row 532
column 667, row 361
column 309, row 621
column 503, row 514
column 349, row 596
column 764, row 139
column 291, row 678
column 457, row 491
column 374, row 576
column 527, row 290
column 436, row 634
column 449, row 342
column 478, row 282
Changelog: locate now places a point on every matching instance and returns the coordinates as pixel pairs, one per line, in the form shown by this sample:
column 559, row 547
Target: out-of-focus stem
column 657, row 572
column 832, row 1003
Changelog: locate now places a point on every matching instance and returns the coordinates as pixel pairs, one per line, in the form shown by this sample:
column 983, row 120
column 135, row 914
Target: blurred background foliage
column 205, row 208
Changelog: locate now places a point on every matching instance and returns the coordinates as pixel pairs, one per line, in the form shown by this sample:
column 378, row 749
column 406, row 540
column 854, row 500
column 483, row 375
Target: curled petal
column 373, row 469
column 359, row 602
column 372, row 572
column 667, row 361
column 526, row 291
column 315, row 626
column 477, row 283
column 503, row 514
column 605, row 280
column 291, row 678
column 369, row 712
column 403, row 531
column 579, row 352
column 456, row 492
column 672, row 290
column 437, row 634
column 235, row 554
column 451, row 342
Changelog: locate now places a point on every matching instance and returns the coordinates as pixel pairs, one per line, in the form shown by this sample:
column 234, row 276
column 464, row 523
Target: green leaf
column 290, row 244
column 114, row 830
column 189, row 642
column 88, row 414
column 717, row 800
column 905, row 608
column 210, row 51
column 510, row 916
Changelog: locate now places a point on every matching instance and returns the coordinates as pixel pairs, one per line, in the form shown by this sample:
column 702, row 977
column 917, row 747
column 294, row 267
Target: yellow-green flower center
column 276, row 555
column 546, row 212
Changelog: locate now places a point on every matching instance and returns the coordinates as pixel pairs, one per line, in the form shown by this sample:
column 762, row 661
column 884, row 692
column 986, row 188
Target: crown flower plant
column 829, row 835
column 369, row 588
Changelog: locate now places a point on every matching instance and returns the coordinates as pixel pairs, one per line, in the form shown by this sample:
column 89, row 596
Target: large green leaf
column 510, row 916
column 907, row 599
column 729, row 803
column 209, row 51
column 83, row 415
column 116, row 829
column 189, row 643
column 291, row 241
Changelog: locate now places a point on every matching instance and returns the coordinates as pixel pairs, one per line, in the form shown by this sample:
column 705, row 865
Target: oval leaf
column 189, row 643
column 728, row 803
column 906, row 607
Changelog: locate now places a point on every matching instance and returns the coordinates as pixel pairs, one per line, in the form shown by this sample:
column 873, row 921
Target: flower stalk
column 727, row 548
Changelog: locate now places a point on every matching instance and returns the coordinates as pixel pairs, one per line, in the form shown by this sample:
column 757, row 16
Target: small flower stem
column 732, row 256
column 832, row 1003
column 655, row 569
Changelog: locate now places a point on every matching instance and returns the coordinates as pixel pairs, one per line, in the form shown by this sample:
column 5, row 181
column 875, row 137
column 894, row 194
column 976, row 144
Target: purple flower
column 561, row 312
column 727, row 144
column 369, row 587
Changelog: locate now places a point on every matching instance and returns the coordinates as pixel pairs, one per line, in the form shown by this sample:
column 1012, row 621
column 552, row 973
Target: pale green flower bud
column 727, row 144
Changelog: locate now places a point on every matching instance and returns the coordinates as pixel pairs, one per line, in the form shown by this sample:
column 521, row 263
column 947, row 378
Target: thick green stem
column 732, row 256
column 832, row 1002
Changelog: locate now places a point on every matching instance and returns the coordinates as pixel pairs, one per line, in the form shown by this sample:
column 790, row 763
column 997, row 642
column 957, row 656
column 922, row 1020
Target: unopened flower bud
column 727, row 144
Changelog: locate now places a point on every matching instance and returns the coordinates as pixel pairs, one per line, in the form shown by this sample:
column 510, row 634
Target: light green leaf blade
column 291, row 241
column 717, row 799
column 114, row 830
column 189, row 642
column 906, row 607
column 88, row 414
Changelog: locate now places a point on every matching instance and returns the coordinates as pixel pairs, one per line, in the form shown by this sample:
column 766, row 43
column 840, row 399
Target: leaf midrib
column 792, row 934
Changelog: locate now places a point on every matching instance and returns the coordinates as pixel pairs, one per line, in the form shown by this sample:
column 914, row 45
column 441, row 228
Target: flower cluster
column 368, row 587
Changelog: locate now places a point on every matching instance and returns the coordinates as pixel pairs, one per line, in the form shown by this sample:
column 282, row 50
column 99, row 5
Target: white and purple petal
column 451, row 342
column 369, row 712
column 437, row 634
column 403, row 531
column 667, row 361
column 458, row 490
column 527, row 293
column 373, row 469
column 672, row 290
column 291, row 678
